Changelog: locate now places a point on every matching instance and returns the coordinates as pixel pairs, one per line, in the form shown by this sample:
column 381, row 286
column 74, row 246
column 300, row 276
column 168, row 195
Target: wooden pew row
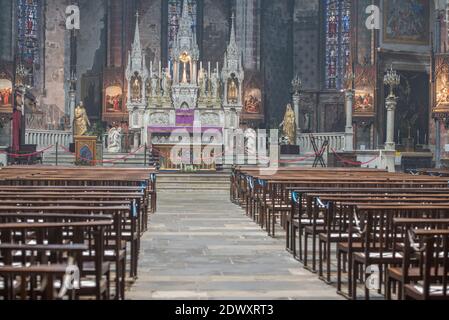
column 398, row 189
column 115, row 251
column 80, row 177
column 40, row 275
column 42, row 191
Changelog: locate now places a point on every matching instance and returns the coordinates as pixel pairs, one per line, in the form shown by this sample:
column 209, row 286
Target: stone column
column 349, row 130
column 72, row 106
column 296, row 99
column 391, row 103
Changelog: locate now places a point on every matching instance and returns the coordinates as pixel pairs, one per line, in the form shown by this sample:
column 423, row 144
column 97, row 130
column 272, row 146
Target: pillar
column 296, row 99
column 349, row 130
column 72, row 105
column 391, row 103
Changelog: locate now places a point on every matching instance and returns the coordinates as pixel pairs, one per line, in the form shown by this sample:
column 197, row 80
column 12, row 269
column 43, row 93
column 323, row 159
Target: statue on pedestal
column 289, row 125
column 81, row 122
column 215, row 85
column 202, row 82
column 154, row 85
column 166, row 82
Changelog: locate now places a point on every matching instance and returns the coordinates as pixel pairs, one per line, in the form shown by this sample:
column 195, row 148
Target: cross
column 137, row 14
column 233, row 18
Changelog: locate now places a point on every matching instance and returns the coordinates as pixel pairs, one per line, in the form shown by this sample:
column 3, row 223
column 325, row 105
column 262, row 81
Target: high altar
column 186, row 94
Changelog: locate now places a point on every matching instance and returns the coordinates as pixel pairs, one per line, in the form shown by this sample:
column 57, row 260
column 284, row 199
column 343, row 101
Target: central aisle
column 201, row 246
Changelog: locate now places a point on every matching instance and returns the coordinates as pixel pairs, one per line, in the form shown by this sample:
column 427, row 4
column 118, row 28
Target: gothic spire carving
column 186, row 38
column 136, row 47
column 233, row 55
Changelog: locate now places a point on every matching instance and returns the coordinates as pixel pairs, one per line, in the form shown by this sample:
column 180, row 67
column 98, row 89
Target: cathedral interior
column 332, row 57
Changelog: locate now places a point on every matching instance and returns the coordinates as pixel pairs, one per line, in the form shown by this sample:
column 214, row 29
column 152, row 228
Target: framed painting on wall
column 406, row 21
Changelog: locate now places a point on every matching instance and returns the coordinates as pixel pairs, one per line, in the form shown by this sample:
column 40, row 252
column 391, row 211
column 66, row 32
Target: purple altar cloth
column 181, row 129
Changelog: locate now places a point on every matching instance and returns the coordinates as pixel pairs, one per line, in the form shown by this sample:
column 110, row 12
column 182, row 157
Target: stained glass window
column 338, row 41
column 174, row 15
column 28, row 26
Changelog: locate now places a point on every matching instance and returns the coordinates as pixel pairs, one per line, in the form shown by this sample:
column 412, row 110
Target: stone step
column 199, row 181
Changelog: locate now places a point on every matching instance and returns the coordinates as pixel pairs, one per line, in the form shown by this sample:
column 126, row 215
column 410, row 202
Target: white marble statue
column 154, row 85
column 215, row 85
column 166, row 82
column 115, row 140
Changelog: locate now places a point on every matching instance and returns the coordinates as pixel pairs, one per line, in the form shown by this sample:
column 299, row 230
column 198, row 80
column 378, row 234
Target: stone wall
column 215, row 30
column 6, row 30
column 248, row 32
column 306, row 39
column 277, row 57
column 150, row 29
column 57, row 55
column 91, row 55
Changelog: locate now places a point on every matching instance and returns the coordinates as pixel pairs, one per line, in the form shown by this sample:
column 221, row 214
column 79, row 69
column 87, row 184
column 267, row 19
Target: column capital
column 391, row 103
column 349, row 93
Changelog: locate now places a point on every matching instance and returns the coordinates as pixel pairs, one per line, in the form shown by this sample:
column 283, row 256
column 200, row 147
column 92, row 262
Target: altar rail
column 45, row 138
column 336, row 141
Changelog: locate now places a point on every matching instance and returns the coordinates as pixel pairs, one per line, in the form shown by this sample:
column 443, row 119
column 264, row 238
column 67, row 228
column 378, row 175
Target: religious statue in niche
column 364, row 102
column 136, row 88
column 289, row 126
column 253, row 98
column 202, row 82
column 166, row 83
column 154, row 85
column 114, row 99
column 215, row 85
column 233, row 90
column 81, row 122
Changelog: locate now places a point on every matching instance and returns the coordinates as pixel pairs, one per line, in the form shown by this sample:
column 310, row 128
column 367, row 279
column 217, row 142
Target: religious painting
column 5, row 93
column 364, row 82
column 253, row 101
column 406, row 21
column 363, row 101
column 114, row 99
column 442, row 82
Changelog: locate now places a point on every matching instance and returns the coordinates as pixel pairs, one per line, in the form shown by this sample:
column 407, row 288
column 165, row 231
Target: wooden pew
column 33, row 276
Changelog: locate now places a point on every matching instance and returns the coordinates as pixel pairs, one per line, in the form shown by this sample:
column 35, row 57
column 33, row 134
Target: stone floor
column 201, row 246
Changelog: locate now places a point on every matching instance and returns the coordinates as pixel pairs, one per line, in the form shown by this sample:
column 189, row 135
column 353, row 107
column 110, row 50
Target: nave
column 201, row 246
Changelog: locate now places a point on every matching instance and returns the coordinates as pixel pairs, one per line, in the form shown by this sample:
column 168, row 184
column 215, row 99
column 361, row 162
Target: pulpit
column 86, row 150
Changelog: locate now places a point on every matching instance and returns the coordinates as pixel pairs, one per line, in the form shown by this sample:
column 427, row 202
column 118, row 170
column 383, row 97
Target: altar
column 170, row 102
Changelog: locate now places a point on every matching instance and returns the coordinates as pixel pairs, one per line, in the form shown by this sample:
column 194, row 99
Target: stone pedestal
column 86, row 150
column 388, row 160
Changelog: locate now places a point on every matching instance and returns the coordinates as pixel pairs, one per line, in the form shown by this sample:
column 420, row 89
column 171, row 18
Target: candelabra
column 392, row 79
column 296, row 85
column 21, row 73
column 72, row 81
